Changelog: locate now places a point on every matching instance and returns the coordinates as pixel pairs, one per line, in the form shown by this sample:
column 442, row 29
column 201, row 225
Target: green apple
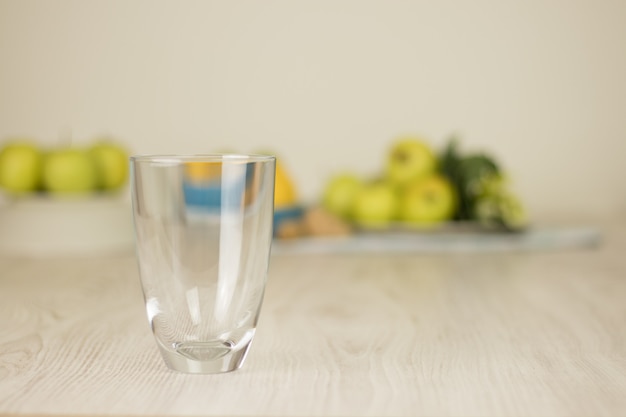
column 69, row 171
column 410, row 159
column 428, row 201
column 340, row 192
column 375, row 205
column 20, row 166
column 111, row 161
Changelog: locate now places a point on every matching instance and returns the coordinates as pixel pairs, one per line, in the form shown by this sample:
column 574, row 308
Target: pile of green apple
column 26, row 167
column 421, row 188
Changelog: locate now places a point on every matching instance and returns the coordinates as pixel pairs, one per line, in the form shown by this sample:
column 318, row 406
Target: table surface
column 519, row 333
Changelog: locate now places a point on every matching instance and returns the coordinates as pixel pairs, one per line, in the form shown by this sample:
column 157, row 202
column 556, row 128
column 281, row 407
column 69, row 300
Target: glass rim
column 206, row 157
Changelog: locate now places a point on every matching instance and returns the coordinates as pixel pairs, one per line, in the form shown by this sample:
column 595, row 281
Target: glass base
column 205, row 357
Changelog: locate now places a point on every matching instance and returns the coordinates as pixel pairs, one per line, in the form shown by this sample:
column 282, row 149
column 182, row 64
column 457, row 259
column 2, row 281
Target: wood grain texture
column 448, row 335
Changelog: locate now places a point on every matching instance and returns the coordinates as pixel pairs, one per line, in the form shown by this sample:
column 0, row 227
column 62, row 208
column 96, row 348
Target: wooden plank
column 535, row 333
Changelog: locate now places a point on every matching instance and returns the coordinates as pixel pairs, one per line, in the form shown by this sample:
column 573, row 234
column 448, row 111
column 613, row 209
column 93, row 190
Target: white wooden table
column 521, row 333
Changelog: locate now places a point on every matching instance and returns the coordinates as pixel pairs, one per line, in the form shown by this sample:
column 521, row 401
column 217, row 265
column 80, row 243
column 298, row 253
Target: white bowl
column 52, row 226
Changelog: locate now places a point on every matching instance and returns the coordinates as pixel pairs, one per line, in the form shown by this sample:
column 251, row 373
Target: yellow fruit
column 428, row 201
column 20, row 166
column 69, row 171
column 284, row 191
column 201, row 172
column 111, row 159
column 338, row 197
column 375, row 205
column 410, row 159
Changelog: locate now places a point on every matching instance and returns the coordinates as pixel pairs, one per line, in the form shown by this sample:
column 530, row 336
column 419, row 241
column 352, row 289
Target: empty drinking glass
column 203, row 227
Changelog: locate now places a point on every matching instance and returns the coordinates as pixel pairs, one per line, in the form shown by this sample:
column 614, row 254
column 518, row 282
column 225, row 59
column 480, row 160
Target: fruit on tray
column 375, row 205
column 409, row 191
column 26, row 167
column 483, row 190
column 288, row 212
column 313, row 221
column 421, row 188
column 500, row 211
column 428, row 201
column 292, row 219
column 340, row 193
column 410, row 159
column 285, row 194
column 319, row 222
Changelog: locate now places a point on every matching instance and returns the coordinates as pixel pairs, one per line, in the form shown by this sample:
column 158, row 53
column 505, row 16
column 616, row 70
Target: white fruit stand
column 42, row 226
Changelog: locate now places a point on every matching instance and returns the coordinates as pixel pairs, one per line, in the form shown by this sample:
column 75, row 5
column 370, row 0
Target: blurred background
column 329, row 84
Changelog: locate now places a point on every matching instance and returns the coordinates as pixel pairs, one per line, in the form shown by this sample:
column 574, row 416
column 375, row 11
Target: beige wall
column 541, row 84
